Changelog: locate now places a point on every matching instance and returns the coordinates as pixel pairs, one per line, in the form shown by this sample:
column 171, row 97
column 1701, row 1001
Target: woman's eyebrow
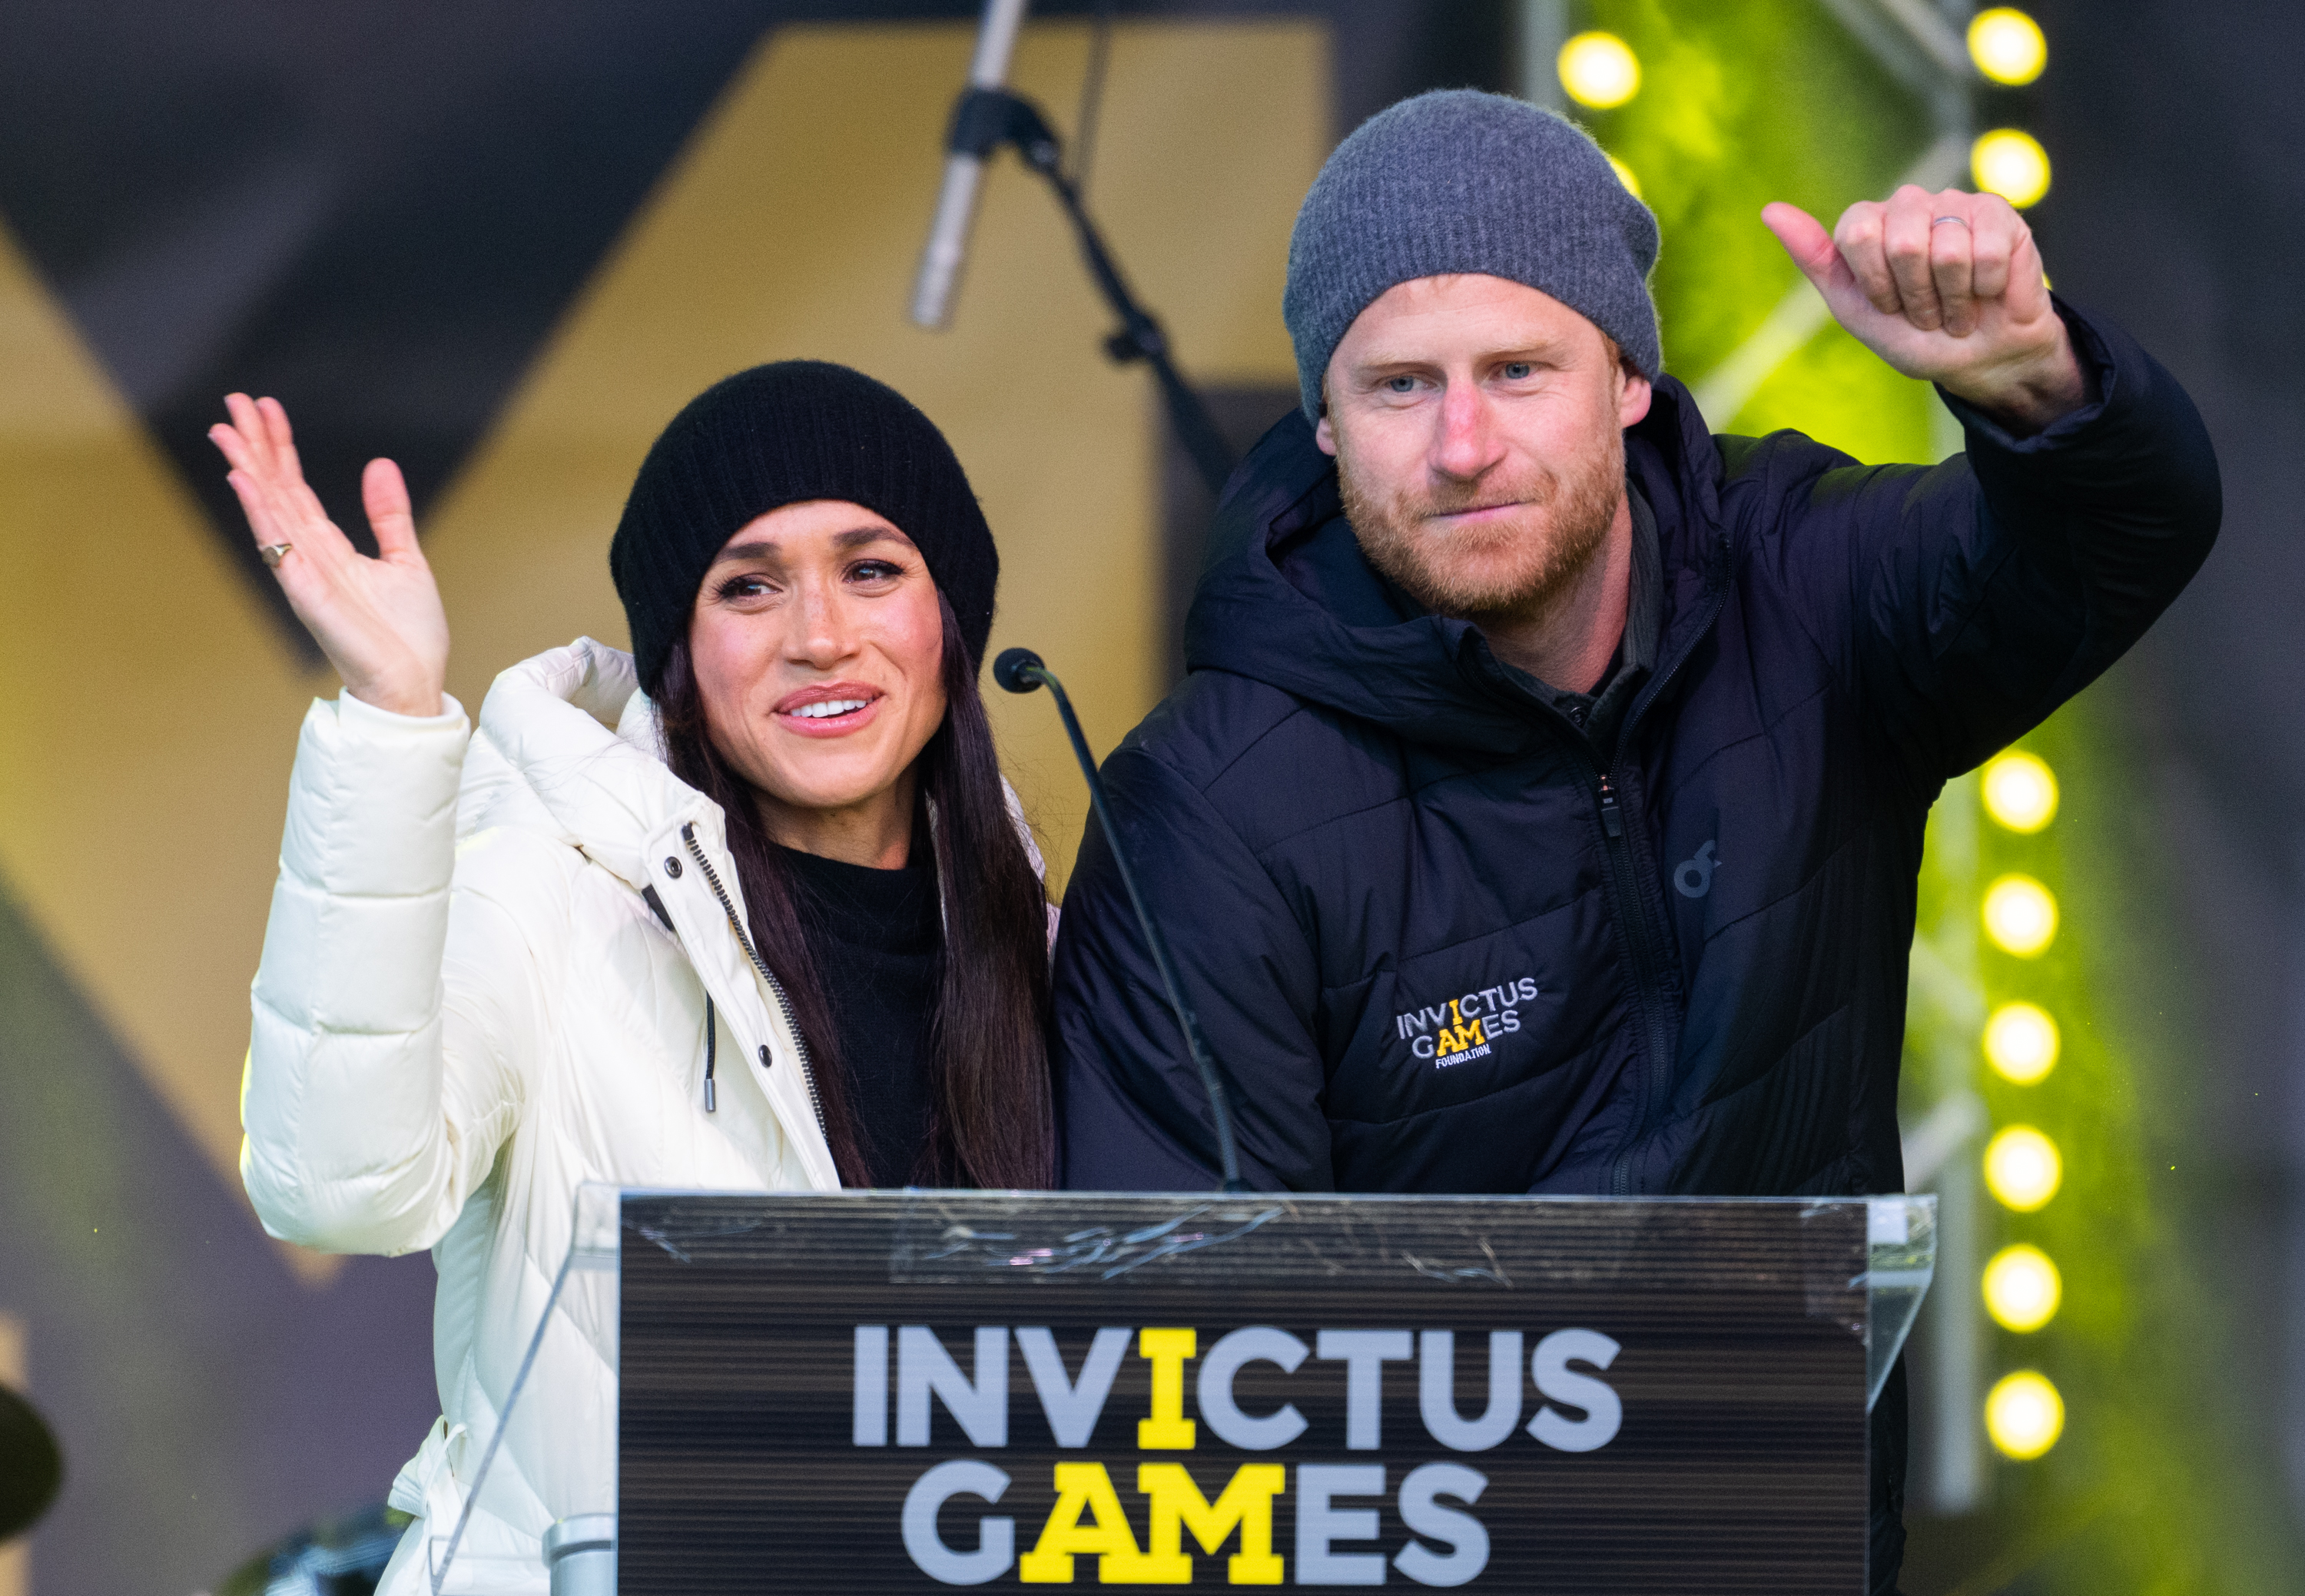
column 770, row 549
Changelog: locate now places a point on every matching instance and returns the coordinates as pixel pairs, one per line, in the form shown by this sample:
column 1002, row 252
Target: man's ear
column 1633, row 398
column 1322, row 435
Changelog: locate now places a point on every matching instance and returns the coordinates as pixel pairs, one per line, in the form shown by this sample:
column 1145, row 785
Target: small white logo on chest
column 1463, row 1029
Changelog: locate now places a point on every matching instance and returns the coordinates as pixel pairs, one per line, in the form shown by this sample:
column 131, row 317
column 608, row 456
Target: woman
column 750, row 908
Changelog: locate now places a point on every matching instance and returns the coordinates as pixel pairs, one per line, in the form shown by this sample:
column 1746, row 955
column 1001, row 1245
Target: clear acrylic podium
column 910, row 1391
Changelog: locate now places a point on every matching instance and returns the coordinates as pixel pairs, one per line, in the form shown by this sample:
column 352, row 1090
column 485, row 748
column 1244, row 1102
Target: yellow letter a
column 1084, row 1487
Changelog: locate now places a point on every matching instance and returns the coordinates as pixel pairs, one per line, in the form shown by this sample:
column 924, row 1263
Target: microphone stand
column 1020, row 670
column 985, row 119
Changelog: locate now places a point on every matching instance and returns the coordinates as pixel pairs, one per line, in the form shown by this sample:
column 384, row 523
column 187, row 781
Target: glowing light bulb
column 2010, row 163
column 1625, row 175
column 2021, row 1043
column 1600, row 70
column 2021, row 917
column 2024, row 1414
column 2022, row 1289
column 2020, row 792
column 2022, row 1169
column 2007, row 45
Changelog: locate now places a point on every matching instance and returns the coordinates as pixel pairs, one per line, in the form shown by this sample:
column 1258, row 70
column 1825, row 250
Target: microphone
column 966, row 147
column 1020, row 670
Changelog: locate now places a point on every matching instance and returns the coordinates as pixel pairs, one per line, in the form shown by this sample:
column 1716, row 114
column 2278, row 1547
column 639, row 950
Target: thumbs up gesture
column 1946, row 286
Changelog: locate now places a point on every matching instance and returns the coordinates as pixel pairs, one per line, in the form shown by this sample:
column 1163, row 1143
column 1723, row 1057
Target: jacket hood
column 1288, row 599
column 568, row 745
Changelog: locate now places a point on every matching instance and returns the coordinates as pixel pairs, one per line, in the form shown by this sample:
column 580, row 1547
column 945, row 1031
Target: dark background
column 2179, row 209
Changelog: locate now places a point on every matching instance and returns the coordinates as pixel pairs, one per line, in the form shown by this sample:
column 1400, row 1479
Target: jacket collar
column 569, row 746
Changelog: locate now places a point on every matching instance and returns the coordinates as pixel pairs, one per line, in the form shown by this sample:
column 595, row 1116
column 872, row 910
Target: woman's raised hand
column 379, row 621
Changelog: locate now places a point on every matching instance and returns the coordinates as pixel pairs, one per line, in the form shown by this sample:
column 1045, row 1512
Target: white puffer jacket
column 466, row 1009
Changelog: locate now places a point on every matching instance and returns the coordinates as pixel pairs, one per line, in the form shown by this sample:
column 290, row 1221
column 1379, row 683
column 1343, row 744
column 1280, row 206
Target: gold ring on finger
column 274, row 553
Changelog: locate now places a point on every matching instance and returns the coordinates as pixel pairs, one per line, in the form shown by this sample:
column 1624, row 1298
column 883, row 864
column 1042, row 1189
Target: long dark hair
column 992, row 1124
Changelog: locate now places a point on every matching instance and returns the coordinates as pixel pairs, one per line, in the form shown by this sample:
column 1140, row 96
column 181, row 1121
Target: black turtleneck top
column 875, row 935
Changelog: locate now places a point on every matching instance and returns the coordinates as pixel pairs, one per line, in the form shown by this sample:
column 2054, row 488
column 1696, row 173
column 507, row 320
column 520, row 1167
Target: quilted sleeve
column 371, row 1107
column 1966, row 602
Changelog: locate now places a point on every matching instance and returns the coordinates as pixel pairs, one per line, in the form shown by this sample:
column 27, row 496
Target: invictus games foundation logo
column 1464, row 1029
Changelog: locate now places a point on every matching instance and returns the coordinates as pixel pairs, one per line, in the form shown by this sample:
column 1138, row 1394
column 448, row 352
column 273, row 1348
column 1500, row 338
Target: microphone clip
column 985, row 119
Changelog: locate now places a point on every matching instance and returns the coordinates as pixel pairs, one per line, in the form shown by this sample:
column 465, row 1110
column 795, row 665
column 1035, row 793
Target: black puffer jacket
column 1438, row 946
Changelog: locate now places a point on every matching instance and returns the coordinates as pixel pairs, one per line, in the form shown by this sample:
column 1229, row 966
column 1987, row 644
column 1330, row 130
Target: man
column 1544, row 809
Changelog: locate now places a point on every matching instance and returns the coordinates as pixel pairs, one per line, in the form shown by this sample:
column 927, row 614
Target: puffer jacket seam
column 1766, row 1075
column 1297, row 707
column 1795, row 499
column 1856, row 835
column 1216, row 816
column 1689, row 776
column 1407, row 793
column 344, row 895
column 317, row 1030
column 1315, row 828
column 1440, row 1108
column 1503, row 930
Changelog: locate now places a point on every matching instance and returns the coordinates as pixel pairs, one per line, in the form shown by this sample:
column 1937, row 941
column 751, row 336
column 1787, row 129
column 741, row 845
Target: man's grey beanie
column 1459, row 181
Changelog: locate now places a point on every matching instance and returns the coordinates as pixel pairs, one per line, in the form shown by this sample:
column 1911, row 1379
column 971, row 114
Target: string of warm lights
column 2024, row 1414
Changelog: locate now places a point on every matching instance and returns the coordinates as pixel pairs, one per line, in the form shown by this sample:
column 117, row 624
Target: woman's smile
column 829, row 709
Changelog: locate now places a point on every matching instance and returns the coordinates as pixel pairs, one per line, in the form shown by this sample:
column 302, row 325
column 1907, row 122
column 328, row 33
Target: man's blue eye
column 1515, row 370
column 1401, row 385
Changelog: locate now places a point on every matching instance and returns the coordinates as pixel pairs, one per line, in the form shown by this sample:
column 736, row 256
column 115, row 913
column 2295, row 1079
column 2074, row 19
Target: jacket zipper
column 1652, row 1000
column 775, row 987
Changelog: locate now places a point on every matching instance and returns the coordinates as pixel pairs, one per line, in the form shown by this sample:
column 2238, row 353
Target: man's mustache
column 1535, row 495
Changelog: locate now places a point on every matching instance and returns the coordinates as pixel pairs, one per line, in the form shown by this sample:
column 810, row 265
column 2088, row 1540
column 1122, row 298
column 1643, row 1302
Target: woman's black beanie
column 781, row 434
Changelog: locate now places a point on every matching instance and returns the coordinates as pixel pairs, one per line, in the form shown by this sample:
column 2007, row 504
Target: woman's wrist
column 416, row 701
column 416, row 707
column 414, row 689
